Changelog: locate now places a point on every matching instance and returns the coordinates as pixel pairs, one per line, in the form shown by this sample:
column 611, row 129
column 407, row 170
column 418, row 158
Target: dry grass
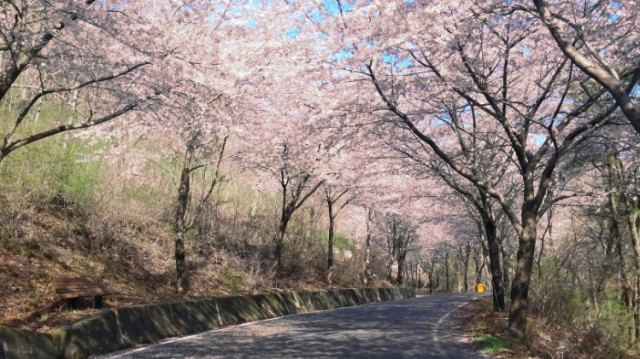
column 43, row 241
column 543, row 341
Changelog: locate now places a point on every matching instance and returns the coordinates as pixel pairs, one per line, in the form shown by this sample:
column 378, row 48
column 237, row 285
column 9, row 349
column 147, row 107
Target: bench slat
column 85, row 291
column 78, row 287
column 79, row 295
column 75, row 280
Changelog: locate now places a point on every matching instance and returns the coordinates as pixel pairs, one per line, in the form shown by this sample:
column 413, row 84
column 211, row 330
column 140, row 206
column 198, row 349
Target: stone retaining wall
column 118, row 328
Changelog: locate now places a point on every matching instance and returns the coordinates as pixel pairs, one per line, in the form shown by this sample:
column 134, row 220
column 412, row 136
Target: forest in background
column 195, row 148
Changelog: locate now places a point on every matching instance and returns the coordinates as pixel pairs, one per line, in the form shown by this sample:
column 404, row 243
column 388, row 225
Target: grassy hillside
column 71, row 206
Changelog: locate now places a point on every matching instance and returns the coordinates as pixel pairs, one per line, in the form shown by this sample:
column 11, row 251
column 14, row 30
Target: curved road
column 423, row 327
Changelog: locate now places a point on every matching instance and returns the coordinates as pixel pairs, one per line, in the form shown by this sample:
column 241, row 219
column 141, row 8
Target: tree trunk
column 367, row 255
column 522, row 277
column 430, row 276
column 182, row 282
column 616, row 179
column 402, row 254
column 330, row 243
column 403, row 241
column 465, row 277
column 465, row 253
column 478, row 262
column 632, row 219
column 391, row 250
column 282, row 230
column 487, row 227
column 497, row 277
column 446, row 272
column 506, row 280
column 332, row 197
column 182, row 278
column 627, row 291
column 389, row 268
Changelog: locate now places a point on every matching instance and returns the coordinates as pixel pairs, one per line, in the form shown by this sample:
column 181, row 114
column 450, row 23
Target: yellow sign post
column 480, row 288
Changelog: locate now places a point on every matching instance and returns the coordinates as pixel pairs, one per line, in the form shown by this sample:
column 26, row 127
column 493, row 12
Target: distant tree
column 332, row 196
column 297, row 186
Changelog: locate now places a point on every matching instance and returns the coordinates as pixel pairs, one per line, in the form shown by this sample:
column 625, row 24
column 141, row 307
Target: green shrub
column 491, row 345
column 59, row 166
column 233, row 281
column 339, row 241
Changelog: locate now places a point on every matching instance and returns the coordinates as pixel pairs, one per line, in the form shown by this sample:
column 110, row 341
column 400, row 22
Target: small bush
column 491, row 345
column 234, row 281
column 595, row 324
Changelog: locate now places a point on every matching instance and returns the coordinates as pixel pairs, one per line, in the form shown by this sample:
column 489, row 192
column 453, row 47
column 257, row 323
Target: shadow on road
column 417, row 328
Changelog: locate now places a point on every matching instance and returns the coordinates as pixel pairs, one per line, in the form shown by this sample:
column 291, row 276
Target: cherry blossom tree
column 196, row 112
column 601, row 38
column 293, row 156
column 484, row 207
column 204, row 142
column 117, row 57
column 497, row 70
column 63, row 48
column 185, row 203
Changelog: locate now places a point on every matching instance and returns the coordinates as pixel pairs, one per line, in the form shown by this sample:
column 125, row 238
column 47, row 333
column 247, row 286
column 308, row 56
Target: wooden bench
column 72, row 289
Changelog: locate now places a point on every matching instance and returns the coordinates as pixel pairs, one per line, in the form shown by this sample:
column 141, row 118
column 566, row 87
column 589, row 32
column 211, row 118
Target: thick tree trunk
column 522, row 277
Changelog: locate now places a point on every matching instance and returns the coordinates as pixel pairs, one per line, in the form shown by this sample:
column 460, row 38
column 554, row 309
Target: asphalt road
column 423, row 327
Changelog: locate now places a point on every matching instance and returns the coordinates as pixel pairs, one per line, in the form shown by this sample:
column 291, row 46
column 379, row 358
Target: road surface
column 423, row 327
